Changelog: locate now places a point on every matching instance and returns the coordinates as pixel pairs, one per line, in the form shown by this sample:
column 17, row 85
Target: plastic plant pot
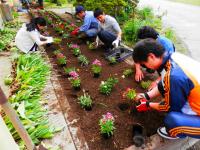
column 123, row 106
column 106, row 136
column 88, row 108
column 138, row 137
column 77, row 88
column 96, row 75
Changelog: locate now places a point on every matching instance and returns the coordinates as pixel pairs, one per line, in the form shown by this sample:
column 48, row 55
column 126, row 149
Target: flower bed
column 88, row 121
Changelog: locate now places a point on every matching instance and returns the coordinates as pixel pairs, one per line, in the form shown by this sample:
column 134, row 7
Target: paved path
column 184, row 19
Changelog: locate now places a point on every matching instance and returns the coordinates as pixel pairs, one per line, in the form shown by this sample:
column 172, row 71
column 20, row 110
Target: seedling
column 112, row 60
column 85, row 101
column 106, row 86
column 145, row 84
column 83, row 60
column 129, row 94
column 128, row 72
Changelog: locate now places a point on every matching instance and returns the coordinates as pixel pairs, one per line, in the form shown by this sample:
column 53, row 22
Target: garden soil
column 88, row 121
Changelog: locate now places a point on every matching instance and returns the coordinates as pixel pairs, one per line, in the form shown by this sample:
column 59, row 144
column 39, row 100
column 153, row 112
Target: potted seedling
column 106, row 86
column 56, row 52
column 65, row 35
column 61, row 59
column 75, row 49
column 68, row 70
column 85, row 101
column 75, row 80
column 127, row 72
column 106, row 124
column 96, row 68
column 83, row 60
column 112, row 60
column 145, row 84
column 57, row 40
column 91, row 45
column 129, row 94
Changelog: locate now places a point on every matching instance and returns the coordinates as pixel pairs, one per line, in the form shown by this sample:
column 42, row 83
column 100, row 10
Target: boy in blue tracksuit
column 179, row 85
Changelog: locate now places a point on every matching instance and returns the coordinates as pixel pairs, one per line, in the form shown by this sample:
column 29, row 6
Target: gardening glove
column 49, row 39
column 143, row 106
column 75, row 32
column 116, row 42
column 97, row 41
column 142, row 96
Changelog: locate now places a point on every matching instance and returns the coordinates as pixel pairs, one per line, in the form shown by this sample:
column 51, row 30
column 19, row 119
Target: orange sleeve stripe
column 166, row 106
column 188, row 130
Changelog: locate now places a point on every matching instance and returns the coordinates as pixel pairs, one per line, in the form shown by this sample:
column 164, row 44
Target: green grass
column 192, row 2
column 48, row 4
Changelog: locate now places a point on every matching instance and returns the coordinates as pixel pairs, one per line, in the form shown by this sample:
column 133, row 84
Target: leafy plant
column 85, row 101
column 75, row 49
column 112, row 60
column 145, row 84
column 83, row 60
column 65, row 35
column 56, row 52
column 128, row 72
column 96, row 66
column 106, row 124
column 61, row 59
column 129, row 94
column 57, row 40
column 106, row 86
column 91, row 45
column 8, row 80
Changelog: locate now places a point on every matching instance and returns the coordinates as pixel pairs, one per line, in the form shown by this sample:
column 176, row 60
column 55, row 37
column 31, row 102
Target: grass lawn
column 192, row 2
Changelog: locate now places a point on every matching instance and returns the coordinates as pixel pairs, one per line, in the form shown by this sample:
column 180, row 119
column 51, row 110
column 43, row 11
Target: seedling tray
column 120, row 54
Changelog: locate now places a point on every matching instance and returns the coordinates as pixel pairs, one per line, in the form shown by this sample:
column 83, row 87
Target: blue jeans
column 106, row 37
column 182, row 125
column 91, row 32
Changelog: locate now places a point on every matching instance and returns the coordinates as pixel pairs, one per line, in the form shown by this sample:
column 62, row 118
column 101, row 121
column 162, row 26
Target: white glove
column 115, row 43
column 49, row 40
column 97, row 41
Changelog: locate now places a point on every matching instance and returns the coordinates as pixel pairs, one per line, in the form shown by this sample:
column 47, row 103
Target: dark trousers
column 107, row 38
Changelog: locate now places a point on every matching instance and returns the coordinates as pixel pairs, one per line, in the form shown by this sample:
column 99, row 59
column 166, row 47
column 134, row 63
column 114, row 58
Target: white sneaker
column 163, row 133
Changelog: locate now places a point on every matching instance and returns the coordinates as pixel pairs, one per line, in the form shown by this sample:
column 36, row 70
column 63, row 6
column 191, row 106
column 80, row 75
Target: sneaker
column 163, row 133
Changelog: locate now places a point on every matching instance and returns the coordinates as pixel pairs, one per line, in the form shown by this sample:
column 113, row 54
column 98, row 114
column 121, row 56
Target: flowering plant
column 107, row 124
column 75, row 79
column 71, row 27
column 68, row 70
column 61, row 59
column 56, row 52
column 96, row 66
column 75, row 49
column 106, row 86
column 129, row 94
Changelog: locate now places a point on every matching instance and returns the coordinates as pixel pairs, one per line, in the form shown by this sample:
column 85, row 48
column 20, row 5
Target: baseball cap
column 79, row 8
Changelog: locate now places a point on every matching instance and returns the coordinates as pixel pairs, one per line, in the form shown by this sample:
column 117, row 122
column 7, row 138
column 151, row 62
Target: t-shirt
column 111, row 25
column 25, row 40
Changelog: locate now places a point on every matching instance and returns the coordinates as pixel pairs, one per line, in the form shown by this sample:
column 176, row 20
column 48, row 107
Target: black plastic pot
column 96, row 75
column 88, row 108
column 117, row 56
column 77, row 88
column 138, row 136
column 106, row 136
column 123, row 106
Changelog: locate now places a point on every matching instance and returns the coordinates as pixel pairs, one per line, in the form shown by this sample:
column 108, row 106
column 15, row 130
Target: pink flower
column 96, row 62
column 74, row 46
column 109, row 116
column 74, row 74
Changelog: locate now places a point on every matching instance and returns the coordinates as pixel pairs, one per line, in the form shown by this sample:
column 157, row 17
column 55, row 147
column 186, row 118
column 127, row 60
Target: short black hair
column 142, row 49
column 98, row 12
column 147, row 32
column 34, row 22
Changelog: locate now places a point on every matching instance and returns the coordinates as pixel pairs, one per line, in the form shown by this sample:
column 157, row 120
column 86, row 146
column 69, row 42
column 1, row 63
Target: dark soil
column 88, row 121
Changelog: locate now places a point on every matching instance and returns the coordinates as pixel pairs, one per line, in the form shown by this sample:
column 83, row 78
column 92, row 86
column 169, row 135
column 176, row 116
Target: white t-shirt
column 25, row 40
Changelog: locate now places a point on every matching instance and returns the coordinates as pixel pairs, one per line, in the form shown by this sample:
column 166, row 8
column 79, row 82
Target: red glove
column 75, row 32
column 143, row 106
